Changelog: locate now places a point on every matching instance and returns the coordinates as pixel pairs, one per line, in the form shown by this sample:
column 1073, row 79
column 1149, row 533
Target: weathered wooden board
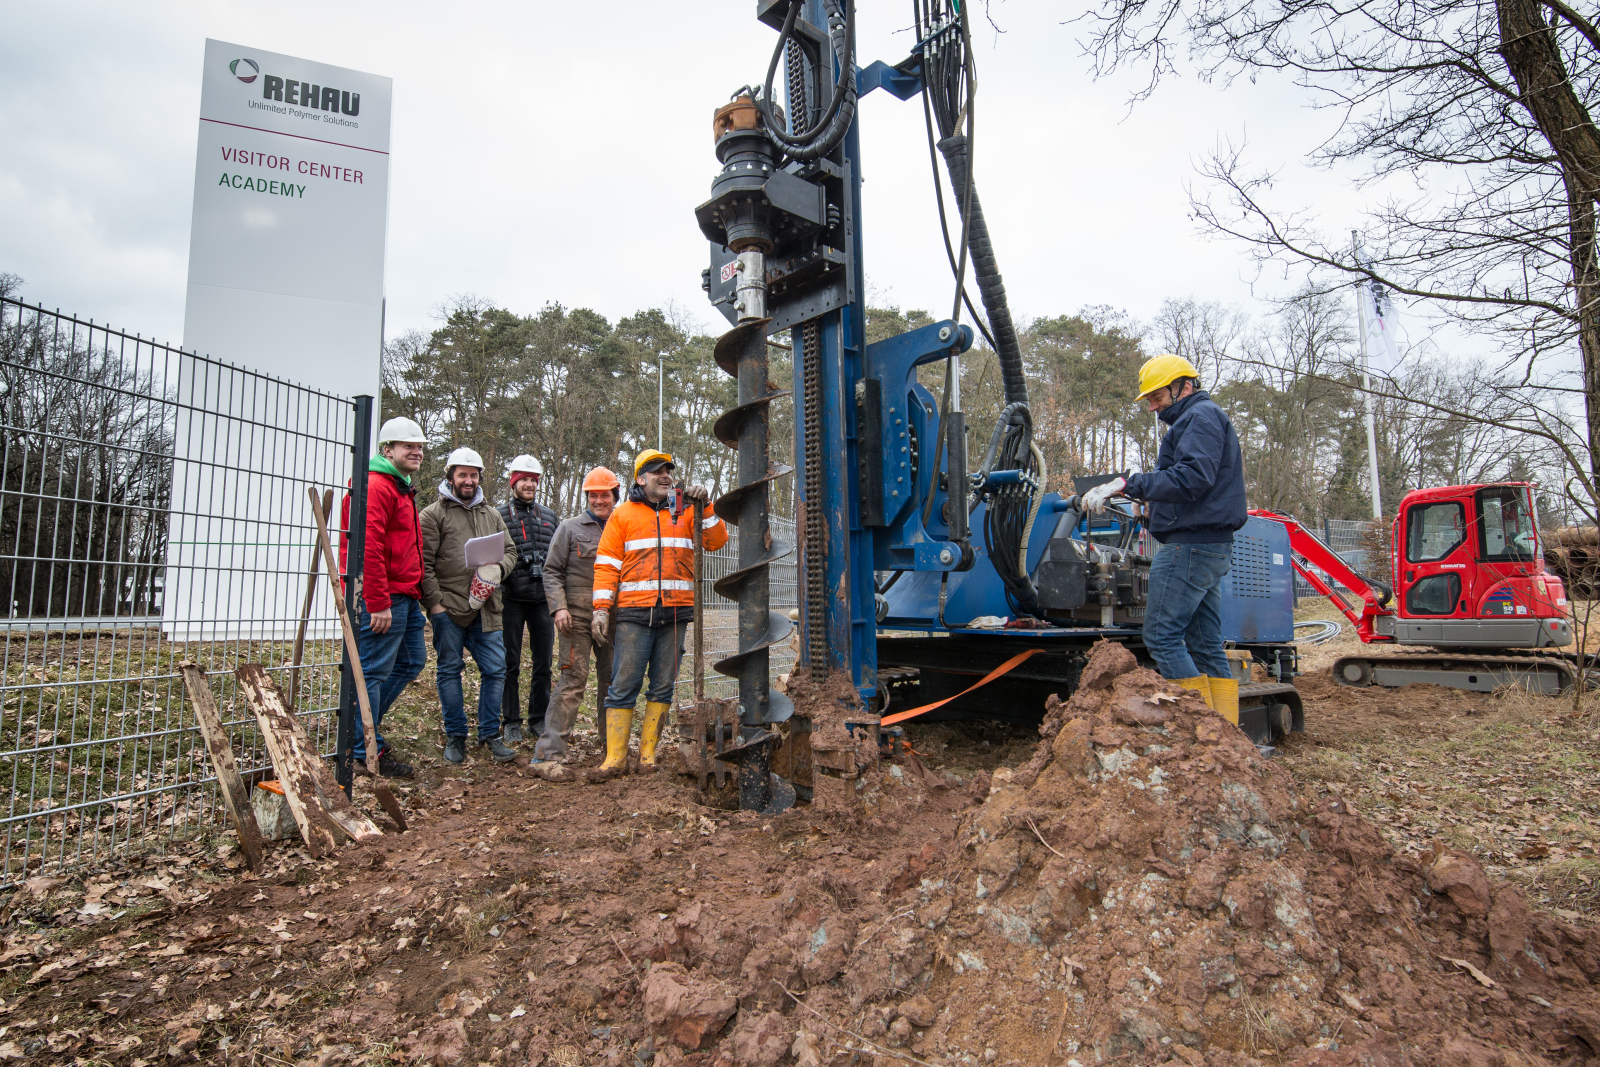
column 220, row 749
column 321, row 810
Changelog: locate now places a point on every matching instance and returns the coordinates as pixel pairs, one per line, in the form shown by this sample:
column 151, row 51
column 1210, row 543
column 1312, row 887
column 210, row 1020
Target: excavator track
column 1545, row 672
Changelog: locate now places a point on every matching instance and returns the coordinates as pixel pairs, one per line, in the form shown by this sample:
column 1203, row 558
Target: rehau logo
column 246, row 76
column 307, row 95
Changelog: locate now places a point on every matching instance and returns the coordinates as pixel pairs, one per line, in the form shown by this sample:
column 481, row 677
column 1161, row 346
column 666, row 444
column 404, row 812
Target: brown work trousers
column 572, row 679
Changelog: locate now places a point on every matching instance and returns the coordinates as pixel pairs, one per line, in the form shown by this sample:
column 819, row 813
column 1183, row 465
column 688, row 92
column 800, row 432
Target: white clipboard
column 490, row 548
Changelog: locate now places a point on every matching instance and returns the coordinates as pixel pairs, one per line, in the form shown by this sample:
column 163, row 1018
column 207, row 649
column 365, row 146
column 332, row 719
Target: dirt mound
column 1168, row 891
column 1146, row 889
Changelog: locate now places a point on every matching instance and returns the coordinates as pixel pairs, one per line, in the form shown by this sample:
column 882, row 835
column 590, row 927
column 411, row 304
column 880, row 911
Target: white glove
column 1096, row 499
column 484, row 583
column 600, row 628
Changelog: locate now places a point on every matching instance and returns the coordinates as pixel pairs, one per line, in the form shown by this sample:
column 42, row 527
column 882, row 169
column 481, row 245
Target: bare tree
column 1203, row 333
column 1492, row 100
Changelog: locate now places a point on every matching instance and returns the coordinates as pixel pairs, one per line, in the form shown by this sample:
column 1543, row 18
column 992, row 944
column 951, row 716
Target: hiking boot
column 456, row 750
column 499, row 751
column 389, row 767
column 511, row 733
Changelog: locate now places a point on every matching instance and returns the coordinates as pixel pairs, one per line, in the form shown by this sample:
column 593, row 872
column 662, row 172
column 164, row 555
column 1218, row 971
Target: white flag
column 1382, row 321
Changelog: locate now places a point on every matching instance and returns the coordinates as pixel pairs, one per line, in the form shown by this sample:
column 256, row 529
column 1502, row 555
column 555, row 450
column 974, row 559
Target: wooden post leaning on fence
column 320, row 808
column 220, row 749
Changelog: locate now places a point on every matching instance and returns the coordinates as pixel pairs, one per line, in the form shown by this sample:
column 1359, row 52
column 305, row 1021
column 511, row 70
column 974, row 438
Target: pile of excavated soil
column 1146, row 889
column 1167, row 893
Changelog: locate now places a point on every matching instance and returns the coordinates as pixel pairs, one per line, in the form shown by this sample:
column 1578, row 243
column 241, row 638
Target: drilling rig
column 904, row 545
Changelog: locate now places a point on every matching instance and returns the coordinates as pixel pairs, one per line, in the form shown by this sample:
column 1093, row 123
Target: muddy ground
column 1413, row 881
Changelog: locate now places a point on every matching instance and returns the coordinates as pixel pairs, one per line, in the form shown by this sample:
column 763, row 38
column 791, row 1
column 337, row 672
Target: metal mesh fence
column 1357, row 544
column 152, row 510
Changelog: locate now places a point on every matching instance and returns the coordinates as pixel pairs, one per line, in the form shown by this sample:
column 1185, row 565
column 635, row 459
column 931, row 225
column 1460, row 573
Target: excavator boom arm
column 1308, row 547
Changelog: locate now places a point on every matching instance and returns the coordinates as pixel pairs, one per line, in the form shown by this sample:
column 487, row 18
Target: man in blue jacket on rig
column 1196, row 502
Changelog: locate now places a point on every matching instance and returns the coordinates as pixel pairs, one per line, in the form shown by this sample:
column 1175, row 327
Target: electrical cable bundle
column 813, row 140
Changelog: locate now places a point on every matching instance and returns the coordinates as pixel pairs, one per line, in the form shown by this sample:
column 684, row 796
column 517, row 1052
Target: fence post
column 355, row 558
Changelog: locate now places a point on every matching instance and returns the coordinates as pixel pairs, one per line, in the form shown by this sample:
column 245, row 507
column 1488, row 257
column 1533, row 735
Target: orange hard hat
column 601, row 479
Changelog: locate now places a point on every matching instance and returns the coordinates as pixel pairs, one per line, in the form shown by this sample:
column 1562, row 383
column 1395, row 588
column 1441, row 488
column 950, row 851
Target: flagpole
column 1366, row 384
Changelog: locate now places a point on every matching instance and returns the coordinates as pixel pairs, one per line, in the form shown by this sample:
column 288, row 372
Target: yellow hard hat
column 1162, row 371
column 647, row 457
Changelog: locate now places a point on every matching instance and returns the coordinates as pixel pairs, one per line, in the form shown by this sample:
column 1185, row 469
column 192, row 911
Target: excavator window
column 1507, row 531
column 1433, row 531
column 1434, row 595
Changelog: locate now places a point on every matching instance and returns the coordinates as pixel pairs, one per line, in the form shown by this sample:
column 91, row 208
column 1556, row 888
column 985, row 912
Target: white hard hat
column 402, row 431
column 464, row 457
column 527, row 463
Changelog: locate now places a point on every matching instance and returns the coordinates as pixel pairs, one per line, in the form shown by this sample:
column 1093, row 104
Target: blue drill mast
column 901, row 547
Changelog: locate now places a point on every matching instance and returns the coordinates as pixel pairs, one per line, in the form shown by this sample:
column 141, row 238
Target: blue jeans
column 389, row 661
column 638, row 646
column 489, row 653
column 1183, row 614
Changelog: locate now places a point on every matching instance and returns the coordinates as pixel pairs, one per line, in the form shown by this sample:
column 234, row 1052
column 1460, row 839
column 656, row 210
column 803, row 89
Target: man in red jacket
column 393, row 649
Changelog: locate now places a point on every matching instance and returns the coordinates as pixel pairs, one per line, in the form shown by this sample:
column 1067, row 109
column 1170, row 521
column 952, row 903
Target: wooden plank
column 296, row 773
column 220, row 749
column 345, row 815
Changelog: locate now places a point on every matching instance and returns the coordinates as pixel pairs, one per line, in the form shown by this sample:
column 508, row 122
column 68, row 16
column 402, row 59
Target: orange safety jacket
column 645, row 559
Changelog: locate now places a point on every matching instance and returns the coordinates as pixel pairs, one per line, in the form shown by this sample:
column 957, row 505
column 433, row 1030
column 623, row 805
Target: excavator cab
column 1469, row 570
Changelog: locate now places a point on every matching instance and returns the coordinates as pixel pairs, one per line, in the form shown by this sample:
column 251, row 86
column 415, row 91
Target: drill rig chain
column 815, row 533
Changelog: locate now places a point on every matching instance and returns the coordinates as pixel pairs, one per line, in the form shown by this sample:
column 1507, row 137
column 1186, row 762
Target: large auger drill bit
column 748, row 158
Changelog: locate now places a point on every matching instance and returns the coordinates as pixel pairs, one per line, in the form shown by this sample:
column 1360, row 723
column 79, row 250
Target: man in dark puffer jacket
column 531, row 525
column 1196, row 497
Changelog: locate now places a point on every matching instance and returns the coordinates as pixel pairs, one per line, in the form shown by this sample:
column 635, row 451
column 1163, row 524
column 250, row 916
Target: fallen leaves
column 805, row 1051
column 1483, row 979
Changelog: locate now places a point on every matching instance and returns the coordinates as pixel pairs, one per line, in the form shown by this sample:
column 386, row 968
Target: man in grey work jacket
column 1196, row 502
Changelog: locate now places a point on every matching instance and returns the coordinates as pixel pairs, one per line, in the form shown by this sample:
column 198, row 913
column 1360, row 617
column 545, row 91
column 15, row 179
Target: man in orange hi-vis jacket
column 644, row 589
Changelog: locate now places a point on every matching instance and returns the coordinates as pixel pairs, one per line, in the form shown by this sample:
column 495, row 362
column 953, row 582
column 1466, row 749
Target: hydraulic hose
column 1033, row 511
column 986, row 271
column 812, row 141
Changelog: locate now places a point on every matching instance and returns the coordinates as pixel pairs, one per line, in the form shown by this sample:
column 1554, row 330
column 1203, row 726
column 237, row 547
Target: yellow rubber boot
column 619, row 722
column 1202, row 685
column 1225, row 698
column 650, row 733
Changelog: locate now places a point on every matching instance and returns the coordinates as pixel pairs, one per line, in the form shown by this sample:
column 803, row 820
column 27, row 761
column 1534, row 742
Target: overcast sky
column 547, row 152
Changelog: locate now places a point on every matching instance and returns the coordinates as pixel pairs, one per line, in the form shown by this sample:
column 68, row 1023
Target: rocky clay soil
column 1136, row 884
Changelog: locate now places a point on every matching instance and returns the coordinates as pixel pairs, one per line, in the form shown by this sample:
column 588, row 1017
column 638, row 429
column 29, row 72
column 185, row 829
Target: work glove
column 484, row 583
column 1096, row 499
column 600, row 628
column 698, row 494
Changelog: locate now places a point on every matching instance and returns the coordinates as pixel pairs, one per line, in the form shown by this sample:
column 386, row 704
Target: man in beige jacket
column 463, row 603
column 569, row 590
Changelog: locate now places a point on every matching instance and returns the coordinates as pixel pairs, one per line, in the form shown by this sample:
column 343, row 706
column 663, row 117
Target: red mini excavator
column 1467, row 580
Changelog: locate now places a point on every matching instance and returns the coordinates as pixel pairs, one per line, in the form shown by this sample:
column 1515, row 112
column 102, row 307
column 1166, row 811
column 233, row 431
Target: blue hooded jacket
column 1196, row 492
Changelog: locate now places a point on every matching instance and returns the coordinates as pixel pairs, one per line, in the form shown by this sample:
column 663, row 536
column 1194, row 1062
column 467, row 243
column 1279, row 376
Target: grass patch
column 1511, row 777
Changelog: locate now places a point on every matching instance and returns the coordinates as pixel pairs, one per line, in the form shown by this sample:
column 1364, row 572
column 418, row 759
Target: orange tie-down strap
column 1005, row 667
